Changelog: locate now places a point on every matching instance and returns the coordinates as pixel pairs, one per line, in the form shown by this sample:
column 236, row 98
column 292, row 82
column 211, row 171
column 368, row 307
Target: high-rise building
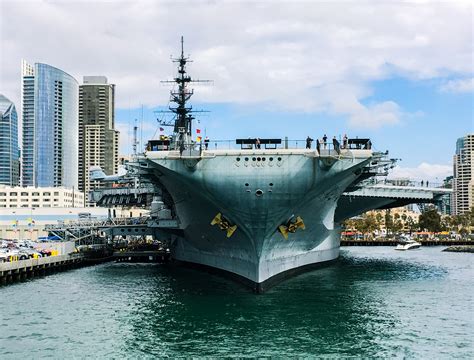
column 463, row 181
column 445, row 203
column 9, row 152
column 98, row 139
column 49, row 102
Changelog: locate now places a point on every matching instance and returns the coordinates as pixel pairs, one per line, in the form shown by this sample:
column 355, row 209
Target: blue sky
column 400, row 73
column 427, row 132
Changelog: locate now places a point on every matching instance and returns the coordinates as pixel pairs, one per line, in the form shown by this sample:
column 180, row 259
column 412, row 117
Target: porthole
column 271, row 159
column 246, row 184
column 263, row 159
column 253, row 159
column 246, row 159
column 259, row 192
column 238, row 159
column 279, row 159
column 271, row 184
column 258, row 159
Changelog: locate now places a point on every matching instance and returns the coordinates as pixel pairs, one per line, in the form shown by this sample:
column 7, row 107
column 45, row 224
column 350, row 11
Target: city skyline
column 406, row 81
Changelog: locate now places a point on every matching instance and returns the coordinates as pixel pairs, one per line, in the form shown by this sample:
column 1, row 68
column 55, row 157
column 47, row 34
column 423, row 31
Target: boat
column 406, row 243
column 259, row 209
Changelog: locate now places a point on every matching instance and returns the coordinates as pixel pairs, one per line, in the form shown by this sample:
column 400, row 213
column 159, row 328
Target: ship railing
column 407, row 183
column 328, row 148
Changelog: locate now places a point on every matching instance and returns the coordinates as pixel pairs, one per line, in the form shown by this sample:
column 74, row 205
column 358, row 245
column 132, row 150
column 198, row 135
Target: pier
column 394, row 242
column 24, row 269
column 160, row 256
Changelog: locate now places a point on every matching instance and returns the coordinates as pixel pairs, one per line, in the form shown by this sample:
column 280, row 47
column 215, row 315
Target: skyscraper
column 98, row 139
column 9, row 157
column 463, row 181
column 50, row 126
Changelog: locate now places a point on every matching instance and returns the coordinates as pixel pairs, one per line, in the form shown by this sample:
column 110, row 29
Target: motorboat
column 406, row 243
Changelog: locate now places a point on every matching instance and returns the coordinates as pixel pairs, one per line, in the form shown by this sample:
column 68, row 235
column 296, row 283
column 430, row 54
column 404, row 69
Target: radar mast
column 183, row 112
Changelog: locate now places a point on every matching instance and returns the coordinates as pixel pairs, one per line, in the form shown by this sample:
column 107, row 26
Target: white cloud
column 435, row 173
column 305, row 56
column 458, row 86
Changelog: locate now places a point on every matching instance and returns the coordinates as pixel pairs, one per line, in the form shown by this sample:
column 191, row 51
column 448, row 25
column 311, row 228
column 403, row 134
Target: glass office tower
column 50, row 127
column 9, row 153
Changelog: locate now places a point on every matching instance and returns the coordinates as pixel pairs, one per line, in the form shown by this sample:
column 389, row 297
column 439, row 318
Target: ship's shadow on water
column 341, row 309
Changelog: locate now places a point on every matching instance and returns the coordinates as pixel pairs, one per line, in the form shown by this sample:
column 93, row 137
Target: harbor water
column 373, row 302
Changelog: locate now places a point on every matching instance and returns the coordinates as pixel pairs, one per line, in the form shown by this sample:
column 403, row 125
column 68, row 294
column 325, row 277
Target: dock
column 393, row 242
column 158, row 256
column 25, row 269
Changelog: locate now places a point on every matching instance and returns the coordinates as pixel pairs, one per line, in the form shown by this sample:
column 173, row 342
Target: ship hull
column 256, row 197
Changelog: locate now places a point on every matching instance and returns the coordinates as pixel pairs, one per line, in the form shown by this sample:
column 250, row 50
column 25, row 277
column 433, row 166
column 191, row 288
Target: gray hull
column 257, row 196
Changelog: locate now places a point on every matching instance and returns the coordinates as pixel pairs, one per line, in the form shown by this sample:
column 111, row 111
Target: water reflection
column 340, row 309
column 371, row 303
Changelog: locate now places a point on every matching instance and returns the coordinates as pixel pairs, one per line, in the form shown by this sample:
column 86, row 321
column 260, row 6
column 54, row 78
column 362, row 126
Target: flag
column 198, row 139
column 161, row 129
column 198, row 131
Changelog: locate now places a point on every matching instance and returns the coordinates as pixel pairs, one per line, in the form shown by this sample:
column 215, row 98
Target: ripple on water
column 374, row 302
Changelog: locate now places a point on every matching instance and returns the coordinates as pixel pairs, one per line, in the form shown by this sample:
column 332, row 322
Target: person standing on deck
column 325, row 140
column 308, row 142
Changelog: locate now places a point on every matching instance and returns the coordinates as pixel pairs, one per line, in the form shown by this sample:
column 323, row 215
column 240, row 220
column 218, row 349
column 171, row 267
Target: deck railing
column 332, row 147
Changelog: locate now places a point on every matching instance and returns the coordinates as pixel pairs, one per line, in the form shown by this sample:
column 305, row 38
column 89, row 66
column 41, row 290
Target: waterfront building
column 9, row 152
column 49, row 102
column 444, row 205
column 463, row 181
column 39, row 197
column 98, row 139
column 31, row 223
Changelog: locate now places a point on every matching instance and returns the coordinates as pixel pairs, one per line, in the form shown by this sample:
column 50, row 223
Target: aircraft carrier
column 259, row 209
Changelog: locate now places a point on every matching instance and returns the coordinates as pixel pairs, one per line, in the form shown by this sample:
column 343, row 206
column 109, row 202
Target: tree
column 430, row 220
column 388, row 221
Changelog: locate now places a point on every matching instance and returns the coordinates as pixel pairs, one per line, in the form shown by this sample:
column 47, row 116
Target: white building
column 39, row 197
column 31, row 223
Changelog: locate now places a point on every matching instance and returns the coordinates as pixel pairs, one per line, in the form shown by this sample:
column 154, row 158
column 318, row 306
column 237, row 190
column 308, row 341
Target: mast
column 183, row 112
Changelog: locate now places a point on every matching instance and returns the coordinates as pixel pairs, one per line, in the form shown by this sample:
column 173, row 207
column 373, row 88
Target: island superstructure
column 260, row 209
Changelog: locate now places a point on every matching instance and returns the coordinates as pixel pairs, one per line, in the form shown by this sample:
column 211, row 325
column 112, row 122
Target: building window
column 35, row 194
column 13, row 194
column 46, row 194
column 56, row 193
column 24, row 194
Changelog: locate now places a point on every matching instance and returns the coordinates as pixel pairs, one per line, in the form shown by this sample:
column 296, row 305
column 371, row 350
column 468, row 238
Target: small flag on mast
column 198, row 131
column 161, row 129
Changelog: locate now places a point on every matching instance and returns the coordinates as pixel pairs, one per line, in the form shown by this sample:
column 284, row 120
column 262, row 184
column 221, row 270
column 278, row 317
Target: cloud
column 435, row 173
column 458, row 86
column 303, row 56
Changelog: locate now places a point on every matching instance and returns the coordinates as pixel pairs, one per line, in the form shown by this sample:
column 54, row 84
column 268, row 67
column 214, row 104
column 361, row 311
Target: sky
column 399, row 72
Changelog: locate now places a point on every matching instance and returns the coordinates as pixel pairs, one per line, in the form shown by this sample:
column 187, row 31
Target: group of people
column 323, row 142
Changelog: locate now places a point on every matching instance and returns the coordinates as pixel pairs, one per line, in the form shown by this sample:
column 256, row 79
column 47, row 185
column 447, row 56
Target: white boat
column 406, row 243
